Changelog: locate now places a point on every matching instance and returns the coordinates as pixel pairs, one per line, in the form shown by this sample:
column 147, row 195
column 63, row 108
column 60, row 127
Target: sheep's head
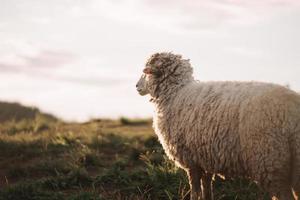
column 163, row 70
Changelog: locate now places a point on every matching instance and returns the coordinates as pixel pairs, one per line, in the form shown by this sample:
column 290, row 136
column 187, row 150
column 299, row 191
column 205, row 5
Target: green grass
column 135, row 122
column 101, row 159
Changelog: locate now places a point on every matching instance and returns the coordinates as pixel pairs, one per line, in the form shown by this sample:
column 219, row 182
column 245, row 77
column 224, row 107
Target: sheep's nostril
column 136, row 85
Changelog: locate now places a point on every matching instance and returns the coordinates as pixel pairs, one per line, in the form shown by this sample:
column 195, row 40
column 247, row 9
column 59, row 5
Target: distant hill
column 17, row 112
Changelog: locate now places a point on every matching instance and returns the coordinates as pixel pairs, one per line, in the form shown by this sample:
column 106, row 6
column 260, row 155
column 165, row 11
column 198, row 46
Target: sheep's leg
column 285, row 194
column 296, row 191
column 194, row 180
column 278, row 185
column 296, row 169
column 280, row 188
column 296, row 182
column 296, row 194
column 207, row 186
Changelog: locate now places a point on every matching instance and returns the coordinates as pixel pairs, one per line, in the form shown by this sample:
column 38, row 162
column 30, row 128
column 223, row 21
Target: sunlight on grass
column 99, row 159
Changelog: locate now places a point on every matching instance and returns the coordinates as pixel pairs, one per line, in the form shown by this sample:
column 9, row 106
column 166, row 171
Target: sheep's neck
column 166, row 93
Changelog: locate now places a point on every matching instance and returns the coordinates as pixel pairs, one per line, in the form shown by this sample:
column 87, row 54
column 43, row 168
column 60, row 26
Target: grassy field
column 43, row 158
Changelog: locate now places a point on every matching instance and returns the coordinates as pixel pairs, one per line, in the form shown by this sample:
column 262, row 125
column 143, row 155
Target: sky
column 81, row 59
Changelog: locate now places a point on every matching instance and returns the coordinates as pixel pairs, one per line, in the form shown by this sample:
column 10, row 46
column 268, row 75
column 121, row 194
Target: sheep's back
column 212, row 124
column 268, row 129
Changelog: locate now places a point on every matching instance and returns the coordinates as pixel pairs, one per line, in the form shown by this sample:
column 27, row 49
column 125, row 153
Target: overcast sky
column 80, row 59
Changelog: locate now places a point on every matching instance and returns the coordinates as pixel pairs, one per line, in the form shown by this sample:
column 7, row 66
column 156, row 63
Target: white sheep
column 235, row 129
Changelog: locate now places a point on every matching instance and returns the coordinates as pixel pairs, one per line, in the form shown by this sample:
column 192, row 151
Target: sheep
column 233, row 129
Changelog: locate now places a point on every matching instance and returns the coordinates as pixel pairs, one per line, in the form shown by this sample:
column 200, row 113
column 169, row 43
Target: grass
column 135, row 122
column 101, row 159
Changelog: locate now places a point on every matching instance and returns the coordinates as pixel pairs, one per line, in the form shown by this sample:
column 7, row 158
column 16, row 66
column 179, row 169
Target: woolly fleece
column 235, row 129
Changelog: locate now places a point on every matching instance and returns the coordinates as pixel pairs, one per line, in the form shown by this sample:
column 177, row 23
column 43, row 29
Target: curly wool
column 247, row 129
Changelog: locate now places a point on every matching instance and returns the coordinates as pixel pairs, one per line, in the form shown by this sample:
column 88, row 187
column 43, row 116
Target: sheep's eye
column 148, row 71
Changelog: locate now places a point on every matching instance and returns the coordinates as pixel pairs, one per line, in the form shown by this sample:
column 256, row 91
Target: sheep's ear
column 159, row 64
column 148, row 70
column 152, row 72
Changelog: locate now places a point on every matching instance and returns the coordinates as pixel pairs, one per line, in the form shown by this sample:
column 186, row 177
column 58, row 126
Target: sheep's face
column 151, row 73
column 163, row 70
column 141, row 85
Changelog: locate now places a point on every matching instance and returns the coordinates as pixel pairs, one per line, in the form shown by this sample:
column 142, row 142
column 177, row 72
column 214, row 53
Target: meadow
column 43, row 158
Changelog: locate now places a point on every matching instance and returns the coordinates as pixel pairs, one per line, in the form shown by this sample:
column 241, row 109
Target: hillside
column 17, row 112
column 102, row 159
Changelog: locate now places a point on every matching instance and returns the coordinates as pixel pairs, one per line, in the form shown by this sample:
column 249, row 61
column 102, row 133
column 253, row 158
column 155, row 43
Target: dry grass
column 100, row 159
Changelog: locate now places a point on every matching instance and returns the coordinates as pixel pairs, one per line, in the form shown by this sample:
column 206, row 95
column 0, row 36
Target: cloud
column 266, row 3
column 167, row 15
column 8, row 68
column 48, row 59
column 88, row 81
column 182, row 15
column 45, row 59
column 201, row 13
column 54, row 65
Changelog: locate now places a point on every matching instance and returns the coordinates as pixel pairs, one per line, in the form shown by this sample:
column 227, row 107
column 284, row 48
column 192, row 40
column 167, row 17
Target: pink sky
column 81, row 59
